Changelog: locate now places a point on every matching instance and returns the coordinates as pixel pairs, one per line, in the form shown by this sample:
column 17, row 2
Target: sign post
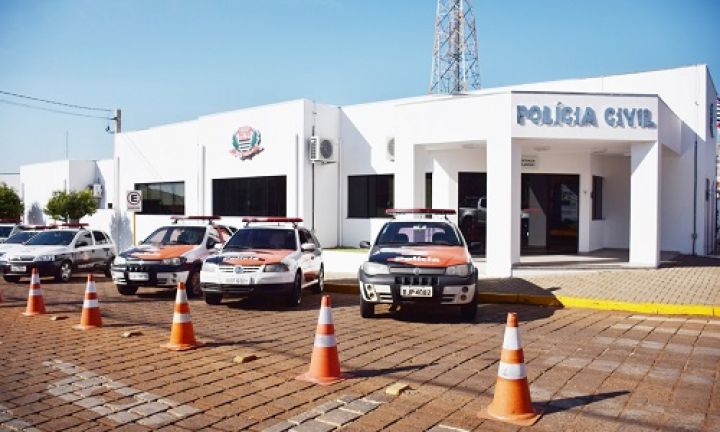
column 134, row 205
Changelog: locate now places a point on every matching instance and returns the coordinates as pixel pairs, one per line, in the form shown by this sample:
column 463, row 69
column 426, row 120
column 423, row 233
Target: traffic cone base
column 325, row 362
column 182, row 334
column 505, row 408
column 35, row 302
column 91, row 317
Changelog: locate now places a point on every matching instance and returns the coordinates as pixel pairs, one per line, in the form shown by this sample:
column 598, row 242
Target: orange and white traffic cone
column 182, row 335
column 511, row 403
column 325, row 363
column 35, row 302
column 90, row 317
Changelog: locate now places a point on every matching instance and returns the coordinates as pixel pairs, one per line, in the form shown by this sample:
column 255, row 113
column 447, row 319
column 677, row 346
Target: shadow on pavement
column 684, row 261
column 558, row 405
column 487, row 313
column 369, row 373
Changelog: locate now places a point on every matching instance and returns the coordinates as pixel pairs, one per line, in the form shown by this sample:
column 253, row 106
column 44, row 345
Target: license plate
column 17, row 268
column 237, row 280
column 408, row 291
column 138, row 276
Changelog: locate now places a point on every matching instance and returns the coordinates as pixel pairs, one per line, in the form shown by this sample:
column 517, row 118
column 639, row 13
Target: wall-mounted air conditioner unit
column 97, row 190
column 322, row 150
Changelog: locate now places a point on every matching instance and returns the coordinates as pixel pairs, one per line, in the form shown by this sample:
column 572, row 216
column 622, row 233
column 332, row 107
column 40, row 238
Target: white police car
column 270, row 256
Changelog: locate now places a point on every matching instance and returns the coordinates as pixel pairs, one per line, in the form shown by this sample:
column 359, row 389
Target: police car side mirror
column 365, row 244
column 307, row 247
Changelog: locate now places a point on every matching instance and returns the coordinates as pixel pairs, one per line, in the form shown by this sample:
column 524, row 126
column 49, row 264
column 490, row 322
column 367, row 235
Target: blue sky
column 163, row 61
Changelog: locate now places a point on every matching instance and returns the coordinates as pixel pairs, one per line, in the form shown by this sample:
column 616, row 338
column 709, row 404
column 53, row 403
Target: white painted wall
column 445, row 135
column 613, row 231
column 161, row 154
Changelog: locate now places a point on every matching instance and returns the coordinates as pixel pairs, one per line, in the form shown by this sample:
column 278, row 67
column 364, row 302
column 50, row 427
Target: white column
column 409, row 176
column 645, row 204
column 444, row 184
column 503, row 209
column 585, row 204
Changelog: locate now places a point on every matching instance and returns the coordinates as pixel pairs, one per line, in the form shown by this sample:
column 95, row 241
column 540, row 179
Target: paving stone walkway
column 588, row 370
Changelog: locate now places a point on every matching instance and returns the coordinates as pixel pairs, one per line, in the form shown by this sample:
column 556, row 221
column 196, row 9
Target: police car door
column 82, row 254
column 103, row 251
column 307, row 259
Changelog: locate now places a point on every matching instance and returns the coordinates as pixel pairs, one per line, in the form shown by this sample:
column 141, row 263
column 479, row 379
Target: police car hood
column 157, row 252
column 7, row 247
column 420, row 256
column 255, row 257
column 38, row 250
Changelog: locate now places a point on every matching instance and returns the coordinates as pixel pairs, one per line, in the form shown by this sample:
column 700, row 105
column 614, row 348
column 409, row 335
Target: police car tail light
column 276, row 268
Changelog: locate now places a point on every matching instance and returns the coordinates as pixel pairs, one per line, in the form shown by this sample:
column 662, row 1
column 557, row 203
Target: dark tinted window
column 5, row 231
column 100, row 238
column 262, row 238
column 86, row 238
column 304, row 237
column 418, row 232
column 250, row 196
column 176, row 235
column 20, row 237
column 369, row 196
column 428, row 190
column 52, row 238
column 162, row 198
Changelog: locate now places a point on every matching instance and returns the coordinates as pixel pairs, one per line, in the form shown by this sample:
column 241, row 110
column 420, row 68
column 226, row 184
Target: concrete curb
column 569, row 302
column 601, row 304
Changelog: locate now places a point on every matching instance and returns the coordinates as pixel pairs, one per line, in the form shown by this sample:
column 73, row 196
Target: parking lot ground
column 589, row 370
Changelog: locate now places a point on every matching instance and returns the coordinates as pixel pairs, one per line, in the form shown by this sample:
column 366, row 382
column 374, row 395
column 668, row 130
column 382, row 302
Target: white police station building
column 574, row 166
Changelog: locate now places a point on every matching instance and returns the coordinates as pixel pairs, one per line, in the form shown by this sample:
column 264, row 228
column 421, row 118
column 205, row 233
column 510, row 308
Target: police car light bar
column 422, row 211
column 38, row 227
column 249, row 220
column 210, row 219
column 9, row 220
column 73, row 225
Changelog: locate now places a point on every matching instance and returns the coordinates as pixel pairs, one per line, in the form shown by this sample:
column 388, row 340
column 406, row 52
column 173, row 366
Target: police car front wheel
column 294, row 297
column 367, row 309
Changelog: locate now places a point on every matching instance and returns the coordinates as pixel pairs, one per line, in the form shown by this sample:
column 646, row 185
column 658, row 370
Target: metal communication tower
column 455, row 67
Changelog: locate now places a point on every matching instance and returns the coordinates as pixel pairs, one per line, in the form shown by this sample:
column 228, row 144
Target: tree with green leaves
column 11, row 206
column 70, row 206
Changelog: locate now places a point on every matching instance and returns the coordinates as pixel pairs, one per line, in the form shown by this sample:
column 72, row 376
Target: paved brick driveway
column 589, row 370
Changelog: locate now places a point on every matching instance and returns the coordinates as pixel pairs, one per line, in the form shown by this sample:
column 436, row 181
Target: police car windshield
column 262, row 238
column 52, row 238
column 418, row 233
column 5, row 231
column 176, row 235
column 20, row 237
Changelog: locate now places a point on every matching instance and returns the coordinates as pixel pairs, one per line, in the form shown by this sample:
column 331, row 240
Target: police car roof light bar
column 279, row 220
column 38, row 227
column 9, row 220
column 425, row 211
column 210, row 219
column 73, row 225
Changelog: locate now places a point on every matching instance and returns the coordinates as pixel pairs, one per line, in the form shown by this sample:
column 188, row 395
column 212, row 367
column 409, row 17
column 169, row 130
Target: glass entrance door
column 550, row 209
